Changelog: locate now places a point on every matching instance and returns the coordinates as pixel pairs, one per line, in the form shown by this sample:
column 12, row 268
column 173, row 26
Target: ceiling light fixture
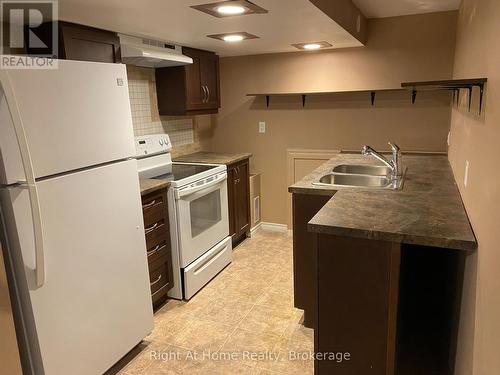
column 312, row 46
column 231, row 10
column 233, row 37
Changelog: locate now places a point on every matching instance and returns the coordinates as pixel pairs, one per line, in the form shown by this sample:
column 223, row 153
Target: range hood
column 150, row 53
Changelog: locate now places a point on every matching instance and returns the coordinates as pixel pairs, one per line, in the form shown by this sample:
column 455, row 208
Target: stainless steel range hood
column 151, row 53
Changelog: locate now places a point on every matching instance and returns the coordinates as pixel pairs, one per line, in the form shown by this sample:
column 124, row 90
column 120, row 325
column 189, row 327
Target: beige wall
column 476, row 139
column 399, row 49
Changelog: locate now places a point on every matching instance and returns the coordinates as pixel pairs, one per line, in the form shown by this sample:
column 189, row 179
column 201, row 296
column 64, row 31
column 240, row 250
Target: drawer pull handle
column 159, row 290
column 151, row 228
column 156, row 249
column 148, row 205
column 156, row 281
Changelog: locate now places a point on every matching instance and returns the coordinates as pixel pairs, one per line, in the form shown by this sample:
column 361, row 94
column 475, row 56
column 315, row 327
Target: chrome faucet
column 395, row 164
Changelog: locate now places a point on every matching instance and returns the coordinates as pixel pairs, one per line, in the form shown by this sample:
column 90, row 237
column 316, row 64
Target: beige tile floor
column 242, row 322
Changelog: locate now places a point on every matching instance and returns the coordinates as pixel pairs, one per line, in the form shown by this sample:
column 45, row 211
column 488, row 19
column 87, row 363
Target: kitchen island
column 379, row 272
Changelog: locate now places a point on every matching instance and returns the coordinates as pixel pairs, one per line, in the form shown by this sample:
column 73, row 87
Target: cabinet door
column 210, row 79
column 242, row 196
column 231, row 187
column 196, row 93
column 88, row 44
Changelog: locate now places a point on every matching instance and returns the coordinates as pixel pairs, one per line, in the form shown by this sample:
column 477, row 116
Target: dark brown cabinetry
column 238, row 185
column 189, row 89
column 304, row 207
column 84, row 43
column 159, row 250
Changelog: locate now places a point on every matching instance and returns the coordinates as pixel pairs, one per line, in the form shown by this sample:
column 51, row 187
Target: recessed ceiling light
column 312, row 46
column 233, row 37
column 231, row 9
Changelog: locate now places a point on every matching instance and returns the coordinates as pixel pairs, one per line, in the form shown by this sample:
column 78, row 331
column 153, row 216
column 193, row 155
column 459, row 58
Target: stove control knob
column 161, row 142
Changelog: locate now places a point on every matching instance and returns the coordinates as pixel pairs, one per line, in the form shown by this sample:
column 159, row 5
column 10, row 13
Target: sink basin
column 372, row 170
column 355, row 180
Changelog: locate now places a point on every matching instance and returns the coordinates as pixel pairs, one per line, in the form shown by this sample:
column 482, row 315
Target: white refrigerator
column 71, row 204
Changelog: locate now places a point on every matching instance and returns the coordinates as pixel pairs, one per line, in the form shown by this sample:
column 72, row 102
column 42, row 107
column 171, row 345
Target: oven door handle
column 185, row 192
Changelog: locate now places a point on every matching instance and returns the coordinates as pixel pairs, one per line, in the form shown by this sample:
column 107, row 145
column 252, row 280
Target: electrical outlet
column 466, row 175
column 448, row 140
column 262, row 127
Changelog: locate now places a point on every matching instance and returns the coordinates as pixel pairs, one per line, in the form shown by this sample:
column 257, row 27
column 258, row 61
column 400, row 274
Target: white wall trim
column 274, row 227
column 255, row 229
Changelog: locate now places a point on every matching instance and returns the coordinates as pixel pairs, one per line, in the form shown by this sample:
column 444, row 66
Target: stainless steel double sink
column 361, row 176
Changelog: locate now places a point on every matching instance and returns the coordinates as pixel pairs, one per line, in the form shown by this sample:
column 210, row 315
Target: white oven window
column 205, row 212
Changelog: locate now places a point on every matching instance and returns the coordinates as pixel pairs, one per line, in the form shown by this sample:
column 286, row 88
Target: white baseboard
column 274, row 227
column 255, row 229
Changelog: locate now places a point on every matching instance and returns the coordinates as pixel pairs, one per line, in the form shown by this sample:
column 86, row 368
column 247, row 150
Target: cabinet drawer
column 158, row 277
column 156, row 232
column 159, row 250
column 154, row 208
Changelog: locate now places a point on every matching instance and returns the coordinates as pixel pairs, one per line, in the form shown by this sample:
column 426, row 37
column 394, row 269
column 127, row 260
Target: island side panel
column 358, row 288
column 304, row 207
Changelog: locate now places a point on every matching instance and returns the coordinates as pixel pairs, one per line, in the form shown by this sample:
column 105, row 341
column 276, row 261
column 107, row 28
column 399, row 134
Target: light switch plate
column 466, row 175
column 262, row 127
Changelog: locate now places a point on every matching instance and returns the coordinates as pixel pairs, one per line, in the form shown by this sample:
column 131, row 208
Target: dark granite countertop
column 151, row 185
column 428, row 210
column 213, row 158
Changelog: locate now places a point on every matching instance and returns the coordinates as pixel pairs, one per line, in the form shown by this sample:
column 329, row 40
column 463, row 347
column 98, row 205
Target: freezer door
column 74, row 117
column 95, row 304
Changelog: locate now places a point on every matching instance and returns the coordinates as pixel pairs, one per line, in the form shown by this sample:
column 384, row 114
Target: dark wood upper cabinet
column 190, row 89
column 84, row 43
column 239, row 200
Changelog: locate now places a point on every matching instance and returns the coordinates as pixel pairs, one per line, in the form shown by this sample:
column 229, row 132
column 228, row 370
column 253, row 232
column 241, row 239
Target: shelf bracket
column 470, row 97
column 413, row 95
column 481, row 92
column 267, row 101
column 373, row 97
column 303, row 101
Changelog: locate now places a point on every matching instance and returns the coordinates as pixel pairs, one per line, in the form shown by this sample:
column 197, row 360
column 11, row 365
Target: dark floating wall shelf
column 454, row 85
column 449, row 85
column 304, row 95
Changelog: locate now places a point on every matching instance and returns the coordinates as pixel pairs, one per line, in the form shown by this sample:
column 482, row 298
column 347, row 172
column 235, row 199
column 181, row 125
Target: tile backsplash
column 145, row 116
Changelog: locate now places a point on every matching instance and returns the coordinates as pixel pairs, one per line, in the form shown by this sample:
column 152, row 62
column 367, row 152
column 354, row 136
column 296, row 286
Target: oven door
column 202, row 217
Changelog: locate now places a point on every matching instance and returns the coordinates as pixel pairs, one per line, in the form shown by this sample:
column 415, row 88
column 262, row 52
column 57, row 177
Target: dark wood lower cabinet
column 304, row 207
column 238, row 185
column 158, row 245
column 377, row 307
column 393, row 307
column 357, row 294
column 429, row 310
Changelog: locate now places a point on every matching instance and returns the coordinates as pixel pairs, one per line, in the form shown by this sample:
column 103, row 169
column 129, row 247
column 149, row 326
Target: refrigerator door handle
column 30, row 177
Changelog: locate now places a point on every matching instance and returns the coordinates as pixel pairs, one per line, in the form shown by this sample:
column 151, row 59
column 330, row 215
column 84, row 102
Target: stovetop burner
column 182, row 171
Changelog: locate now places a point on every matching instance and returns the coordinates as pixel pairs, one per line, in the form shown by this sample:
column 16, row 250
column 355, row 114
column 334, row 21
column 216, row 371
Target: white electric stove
column 198, row 213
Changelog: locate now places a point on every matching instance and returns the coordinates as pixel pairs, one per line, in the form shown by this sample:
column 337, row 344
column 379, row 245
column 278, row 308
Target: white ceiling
column 391, row 8
column 174, row 21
